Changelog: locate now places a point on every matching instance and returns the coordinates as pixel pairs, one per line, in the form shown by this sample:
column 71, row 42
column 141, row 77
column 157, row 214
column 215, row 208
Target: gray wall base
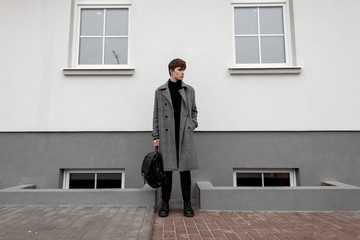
column 24, row 195
column 333, row 197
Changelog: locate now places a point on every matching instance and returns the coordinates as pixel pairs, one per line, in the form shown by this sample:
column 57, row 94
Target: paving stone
column 137, row 222
column 258, row 225
column 75, row 222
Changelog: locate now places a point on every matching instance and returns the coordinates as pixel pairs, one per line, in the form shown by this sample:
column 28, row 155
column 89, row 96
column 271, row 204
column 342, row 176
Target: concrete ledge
column 338, row 197
column 338, row 185
column 19, row 187
column 132, row 196
column 265, row 70
column 124, row 71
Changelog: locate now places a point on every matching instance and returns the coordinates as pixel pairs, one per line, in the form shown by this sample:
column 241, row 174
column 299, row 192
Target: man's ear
column 171, row 71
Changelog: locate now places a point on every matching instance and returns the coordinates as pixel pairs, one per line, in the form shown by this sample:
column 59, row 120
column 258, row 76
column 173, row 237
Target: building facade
column 276, row 88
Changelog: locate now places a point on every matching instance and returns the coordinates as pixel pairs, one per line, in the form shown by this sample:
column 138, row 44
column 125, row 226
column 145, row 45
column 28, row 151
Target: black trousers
column 185, row 182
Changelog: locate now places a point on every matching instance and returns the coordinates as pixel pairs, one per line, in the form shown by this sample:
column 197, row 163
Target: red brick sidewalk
column 258, row 225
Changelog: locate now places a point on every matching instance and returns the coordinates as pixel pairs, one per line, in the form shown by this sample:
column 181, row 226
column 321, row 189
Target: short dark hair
column 177, row 62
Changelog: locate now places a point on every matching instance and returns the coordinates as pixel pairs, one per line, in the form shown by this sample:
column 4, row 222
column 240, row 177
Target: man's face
column 177, row 73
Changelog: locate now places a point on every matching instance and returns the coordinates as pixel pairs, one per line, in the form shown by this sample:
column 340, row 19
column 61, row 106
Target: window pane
column 82, row 180
column 248, row 180
column 92, row 22
column 276, row 179
column 116, row 22
column 109, row 180
column 272, row 50
column 271, row 20
column 90, row 51
column 246, row 21
column 116, row 50
column 247, row 49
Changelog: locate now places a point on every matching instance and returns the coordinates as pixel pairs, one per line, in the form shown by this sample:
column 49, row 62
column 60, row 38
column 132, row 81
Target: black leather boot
column 164, row 210
column 188, row 211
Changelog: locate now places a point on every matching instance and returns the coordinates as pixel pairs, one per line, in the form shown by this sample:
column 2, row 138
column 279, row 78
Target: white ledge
column 265, row 70
column 125, row 71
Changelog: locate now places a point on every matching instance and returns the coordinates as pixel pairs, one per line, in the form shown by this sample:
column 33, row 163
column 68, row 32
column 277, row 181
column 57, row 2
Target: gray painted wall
column 319, row 156
column 37, row 157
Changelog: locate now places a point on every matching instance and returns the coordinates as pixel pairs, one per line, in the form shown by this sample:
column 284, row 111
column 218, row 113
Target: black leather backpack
column 152, row 169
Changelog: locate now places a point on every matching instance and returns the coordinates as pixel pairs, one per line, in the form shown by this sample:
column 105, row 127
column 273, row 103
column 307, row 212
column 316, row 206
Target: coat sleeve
column 155, row 132
column 194, row 111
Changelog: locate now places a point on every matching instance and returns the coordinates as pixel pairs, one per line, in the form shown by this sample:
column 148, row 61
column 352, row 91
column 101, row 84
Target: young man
column 174, row 120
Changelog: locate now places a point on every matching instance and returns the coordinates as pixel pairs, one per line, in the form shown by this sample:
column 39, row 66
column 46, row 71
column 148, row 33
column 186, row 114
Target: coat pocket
column 190, row 125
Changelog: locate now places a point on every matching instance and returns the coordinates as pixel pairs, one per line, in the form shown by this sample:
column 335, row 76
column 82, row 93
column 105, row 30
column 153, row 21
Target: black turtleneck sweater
column 176, row 102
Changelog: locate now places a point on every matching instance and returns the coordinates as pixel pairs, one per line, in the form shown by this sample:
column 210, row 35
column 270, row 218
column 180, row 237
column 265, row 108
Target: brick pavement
column 75, row 222
column 258, row 225
column 135, row 222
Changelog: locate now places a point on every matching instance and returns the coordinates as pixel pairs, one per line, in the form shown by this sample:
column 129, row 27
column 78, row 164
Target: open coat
column 164, row 128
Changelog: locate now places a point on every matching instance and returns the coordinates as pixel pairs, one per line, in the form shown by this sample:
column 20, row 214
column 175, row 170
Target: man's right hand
column 156, row 142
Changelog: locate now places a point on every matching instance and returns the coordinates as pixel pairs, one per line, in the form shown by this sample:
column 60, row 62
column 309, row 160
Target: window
column 103, row 36
column 100, row 44
column 93, row 179
column 262, row 36
column 259, row 35
column 264, row 178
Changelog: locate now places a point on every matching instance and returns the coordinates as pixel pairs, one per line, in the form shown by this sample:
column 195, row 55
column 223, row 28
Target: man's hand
column 156, row 142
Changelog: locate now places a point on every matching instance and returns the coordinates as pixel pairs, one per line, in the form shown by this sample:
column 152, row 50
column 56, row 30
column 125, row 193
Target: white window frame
column 74, row 68
column 292, row 174
column 67, row 172
column 289, row 67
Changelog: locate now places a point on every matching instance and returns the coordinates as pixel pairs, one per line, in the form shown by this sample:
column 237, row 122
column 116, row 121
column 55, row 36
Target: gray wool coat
column 164, row 128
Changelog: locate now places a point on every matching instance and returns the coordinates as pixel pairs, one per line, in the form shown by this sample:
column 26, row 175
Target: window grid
column 95, row 181
column 103, row 46
column 259, row 42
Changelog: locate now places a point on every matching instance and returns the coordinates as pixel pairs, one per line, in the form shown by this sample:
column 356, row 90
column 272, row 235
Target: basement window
column 93, row 179
column 264, row 178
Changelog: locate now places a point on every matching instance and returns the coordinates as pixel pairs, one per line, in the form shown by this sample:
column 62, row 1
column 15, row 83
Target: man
column 174, row 120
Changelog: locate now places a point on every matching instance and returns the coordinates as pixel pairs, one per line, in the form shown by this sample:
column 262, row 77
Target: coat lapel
column 184, row 113
column 166, row 92
column 183, row 95
column 168, row 95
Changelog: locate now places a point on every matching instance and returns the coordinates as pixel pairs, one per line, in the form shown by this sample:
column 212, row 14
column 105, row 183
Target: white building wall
column 35, row 95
